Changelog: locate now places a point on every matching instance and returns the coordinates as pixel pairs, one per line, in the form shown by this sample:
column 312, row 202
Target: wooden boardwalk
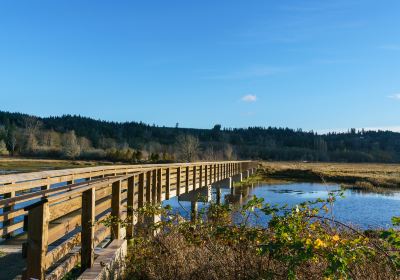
column 55, row 215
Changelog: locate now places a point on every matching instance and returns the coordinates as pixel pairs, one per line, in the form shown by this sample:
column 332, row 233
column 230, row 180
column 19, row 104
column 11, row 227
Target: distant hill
column 81, row 137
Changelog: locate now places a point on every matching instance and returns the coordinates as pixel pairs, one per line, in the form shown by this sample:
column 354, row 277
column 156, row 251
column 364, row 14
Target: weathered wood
column 62, row 250
column 178, row 181
column 194, row 178
column 68, row 209
column 38, row 225
column 130, row 207
column 159, row 185
column 167, row 182
column 116, row 210
column 141, row 190
column 10, row 221
column 187, row 179
column 154, row 187
column 206, row 175
column 87, row 236
column 148, row 187
column 201, row 175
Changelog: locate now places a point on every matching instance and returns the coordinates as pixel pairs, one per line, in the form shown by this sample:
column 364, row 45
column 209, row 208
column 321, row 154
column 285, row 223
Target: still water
column 359, row 208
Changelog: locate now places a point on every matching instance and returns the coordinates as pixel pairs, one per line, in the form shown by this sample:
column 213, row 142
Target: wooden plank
column 206, row 175
column 116, row 210
column 38, row 225
column 141, row 190
column 12, row 214
column 194, row 177
column 154, row 187
column 167, row 182
column 187, row 180
column 9, row 222
column 178, row 181
column 201, row 176
column 62, row 250
column 130, row 207
column 8, row 230
column 88, row 221
column 159, row 184
column 148, row 187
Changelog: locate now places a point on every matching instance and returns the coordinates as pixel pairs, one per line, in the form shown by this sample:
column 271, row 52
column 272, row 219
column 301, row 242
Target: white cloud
column 249, row 98
column 395, row 96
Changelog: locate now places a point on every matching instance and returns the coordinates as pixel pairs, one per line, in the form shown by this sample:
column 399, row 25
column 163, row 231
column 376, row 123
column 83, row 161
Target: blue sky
column 322, row 65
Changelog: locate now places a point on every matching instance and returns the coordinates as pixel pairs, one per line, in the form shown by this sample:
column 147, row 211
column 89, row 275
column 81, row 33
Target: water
column 5, row 172
column 363, row 209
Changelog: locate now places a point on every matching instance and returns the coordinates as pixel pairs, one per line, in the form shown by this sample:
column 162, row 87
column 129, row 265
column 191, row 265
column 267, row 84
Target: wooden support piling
column 88, row 219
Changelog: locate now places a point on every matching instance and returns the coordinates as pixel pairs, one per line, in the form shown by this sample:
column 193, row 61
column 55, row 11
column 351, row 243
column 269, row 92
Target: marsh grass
column 361, row 175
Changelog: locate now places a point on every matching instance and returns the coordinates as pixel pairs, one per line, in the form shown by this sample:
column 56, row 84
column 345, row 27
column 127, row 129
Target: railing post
column 87, row 235
column 187, row 179
column 38, row 233
column 167, row 182
column 201, row 176
column 148, row 187
column 141, row 190
column 159, row 185
column 206, row 175
column 215, row 173
column 194, row 177
column 130, row 205
column 8, row 208
column 178, row 181
column 154, row 187
column 46, row 187
column 116, row 210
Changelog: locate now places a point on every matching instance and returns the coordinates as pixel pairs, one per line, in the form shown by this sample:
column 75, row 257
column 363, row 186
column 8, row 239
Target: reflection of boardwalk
column 63, row 214
column 238, row 194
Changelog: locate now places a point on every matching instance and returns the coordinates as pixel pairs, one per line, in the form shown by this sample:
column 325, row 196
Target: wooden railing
column 63, row 222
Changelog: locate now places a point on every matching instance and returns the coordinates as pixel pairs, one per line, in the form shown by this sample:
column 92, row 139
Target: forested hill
column 86, row 138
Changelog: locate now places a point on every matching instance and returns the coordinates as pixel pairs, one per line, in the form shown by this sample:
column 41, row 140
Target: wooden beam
column 194, row 177
column 178, row 181
column 154, row 187
column 159, row 184
column 116, row 210
column 38, row 230
column 141, row 190
column 201, row 175
column 167, row 182
column 148, row 186
column 9, row 221
column 130, row 207
column 88, row 221
column 187, row 179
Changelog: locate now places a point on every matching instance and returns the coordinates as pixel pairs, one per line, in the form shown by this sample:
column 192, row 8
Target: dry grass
column 169, row 257
column 30, row 165
column 363, row 175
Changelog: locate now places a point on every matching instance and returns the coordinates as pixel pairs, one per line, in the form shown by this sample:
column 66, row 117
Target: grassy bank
column 361, row 175
column 30, row 165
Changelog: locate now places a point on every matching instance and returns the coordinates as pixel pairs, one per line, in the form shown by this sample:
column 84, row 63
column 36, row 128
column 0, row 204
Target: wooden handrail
column 69, row 211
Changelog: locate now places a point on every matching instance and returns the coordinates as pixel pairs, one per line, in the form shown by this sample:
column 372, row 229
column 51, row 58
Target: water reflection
column 362, row 208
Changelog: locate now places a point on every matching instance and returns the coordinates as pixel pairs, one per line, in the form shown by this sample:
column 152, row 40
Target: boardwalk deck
column 51, row 211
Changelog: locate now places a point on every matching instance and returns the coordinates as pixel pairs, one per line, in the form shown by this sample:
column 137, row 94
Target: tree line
column 77, row 137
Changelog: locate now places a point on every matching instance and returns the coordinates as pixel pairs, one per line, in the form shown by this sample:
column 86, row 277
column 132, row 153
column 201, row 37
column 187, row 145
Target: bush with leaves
column 301, row 242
